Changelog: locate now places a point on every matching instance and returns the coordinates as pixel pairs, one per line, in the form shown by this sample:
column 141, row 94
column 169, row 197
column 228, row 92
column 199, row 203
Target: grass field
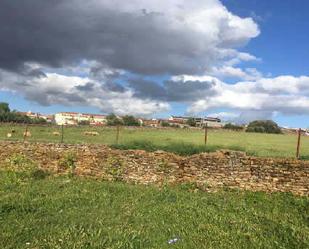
column 62, row 212
column 170, row 139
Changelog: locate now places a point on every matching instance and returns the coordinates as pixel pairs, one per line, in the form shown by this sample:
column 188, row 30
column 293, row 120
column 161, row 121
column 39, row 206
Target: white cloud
column 284, row 94
column 54, row 88
column 236, row 72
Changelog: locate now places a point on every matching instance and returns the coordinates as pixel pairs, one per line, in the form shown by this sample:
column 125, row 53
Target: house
column 66, row 118
column 150, row 122
column 74, row 118
column 212, row 122
column 200, row 122
column 33, row 115
column 98, row 119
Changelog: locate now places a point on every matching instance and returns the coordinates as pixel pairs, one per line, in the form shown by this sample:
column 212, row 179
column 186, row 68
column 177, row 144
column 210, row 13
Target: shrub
column 264, row 126
column 191, row 122
column 130, row 121
column 233, row 127
column 68, row 162
column 113, row 120
column 165, row 124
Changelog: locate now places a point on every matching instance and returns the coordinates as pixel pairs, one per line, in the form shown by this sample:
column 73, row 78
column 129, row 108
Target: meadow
column 181, row 141
column 44, row 211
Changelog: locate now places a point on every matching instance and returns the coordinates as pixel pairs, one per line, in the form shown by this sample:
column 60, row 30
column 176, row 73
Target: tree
column 6, row 115
column 191, row 122
column 4, row 107
column 113, row 120
column 165, row 124
column 233, row 127
column 264, row 126
column 130, row 121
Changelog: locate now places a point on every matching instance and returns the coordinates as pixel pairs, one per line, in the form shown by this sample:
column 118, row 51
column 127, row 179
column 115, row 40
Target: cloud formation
column 53, row 88
column 108, row 54
column 140, row 36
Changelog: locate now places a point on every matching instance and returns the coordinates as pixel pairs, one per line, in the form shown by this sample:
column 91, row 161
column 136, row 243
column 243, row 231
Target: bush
column 130, row 121
column 233, row 127
column 69, row 162
column 113, row 120
column 165, row 124
column 264, row 126
column 191, row 122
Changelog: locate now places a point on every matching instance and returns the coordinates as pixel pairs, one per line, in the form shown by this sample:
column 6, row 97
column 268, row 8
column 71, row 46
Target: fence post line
column 62, row 131
column 117, row 134
column 206, row 134
column 25, row 133
column 298, row 143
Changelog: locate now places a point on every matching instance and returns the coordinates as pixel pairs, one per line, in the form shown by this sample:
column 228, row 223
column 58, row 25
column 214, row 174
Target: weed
column 163, row 166
column 68, row 162
column 114, row 168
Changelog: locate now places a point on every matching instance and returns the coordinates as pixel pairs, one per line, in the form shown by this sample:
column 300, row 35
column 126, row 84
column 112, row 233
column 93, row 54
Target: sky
column 239, row 60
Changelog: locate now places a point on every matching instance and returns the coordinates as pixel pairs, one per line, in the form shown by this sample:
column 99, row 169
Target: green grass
column 60, row 212
column 180, row 148
column 266, row 145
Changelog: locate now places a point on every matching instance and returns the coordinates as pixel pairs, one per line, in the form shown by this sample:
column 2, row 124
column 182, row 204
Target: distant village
column 75, row 118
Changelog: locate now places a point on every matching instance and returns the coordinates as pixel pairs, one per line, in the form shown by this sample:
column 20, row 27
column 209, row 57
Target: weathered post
column 298, row 143
column 206, row 134
column 117, row 134
column 62, row 131
column 25, row 133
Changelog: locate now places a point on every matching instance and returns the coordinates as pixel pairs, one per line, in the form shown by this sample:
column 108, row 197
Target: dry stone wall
column 223, row 168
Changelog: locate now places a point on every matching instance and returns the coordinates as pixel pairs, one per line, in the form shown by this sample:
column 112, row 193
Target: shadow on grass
column 183, row 149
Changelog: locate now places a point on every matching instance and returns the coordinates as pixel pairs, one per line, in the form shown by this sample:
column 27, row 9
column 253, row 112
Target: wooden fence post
column 206, row 134
column 298, row 143
column 25, row 133
column 62, row 130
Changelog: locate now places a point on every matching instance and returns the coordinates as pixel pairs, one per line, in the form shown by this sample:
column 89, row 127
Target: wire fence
column 287, row 145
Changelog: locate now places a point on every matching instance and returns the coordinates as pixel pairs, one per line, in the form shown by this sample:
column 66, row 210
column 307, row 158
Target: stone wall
column 223, row 168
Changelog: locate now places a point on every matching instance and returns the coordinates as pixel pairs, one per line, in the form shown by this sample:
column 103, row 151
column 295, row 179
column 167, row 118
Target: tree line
column 7, row 116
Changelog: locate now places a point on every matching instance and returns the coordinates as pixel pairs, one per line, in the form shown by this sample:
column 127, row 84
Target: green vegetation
column 191, row 122
column 233, row 127
column 4, row 108
column 258, row 144
column 180, row 148
column 61, row 212
column 6, row 115
column 264, row 126
column 68, row 162
column 84, row 122
column 113, row 120
column 130, row 121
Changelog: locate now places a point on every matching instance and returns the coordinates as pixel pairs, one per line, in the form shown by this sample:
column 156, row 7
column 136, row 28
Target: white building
column 212, row 122
column 74, row 118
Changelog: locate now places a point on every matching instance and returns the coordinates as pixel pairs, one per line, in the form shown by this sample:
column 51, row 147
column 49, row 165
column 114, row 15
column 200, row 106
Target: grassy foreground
column 60, row 212
column 181, row 141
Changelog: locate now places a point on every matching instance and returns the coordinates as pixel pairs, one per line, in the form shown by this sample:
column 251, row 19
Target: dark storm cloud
column 57, row 33
column 175, row 91
column 87, row 87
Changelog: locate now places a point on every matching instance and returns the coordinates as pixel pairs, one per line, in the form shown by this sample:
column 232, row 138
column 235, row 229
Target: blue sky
column 283, row 42
column 250, row 70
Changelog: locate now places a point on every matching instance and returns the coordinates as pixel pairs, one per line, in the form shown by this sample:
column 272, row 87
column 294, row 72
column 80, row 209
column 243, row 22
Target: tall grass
column 180, row 148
